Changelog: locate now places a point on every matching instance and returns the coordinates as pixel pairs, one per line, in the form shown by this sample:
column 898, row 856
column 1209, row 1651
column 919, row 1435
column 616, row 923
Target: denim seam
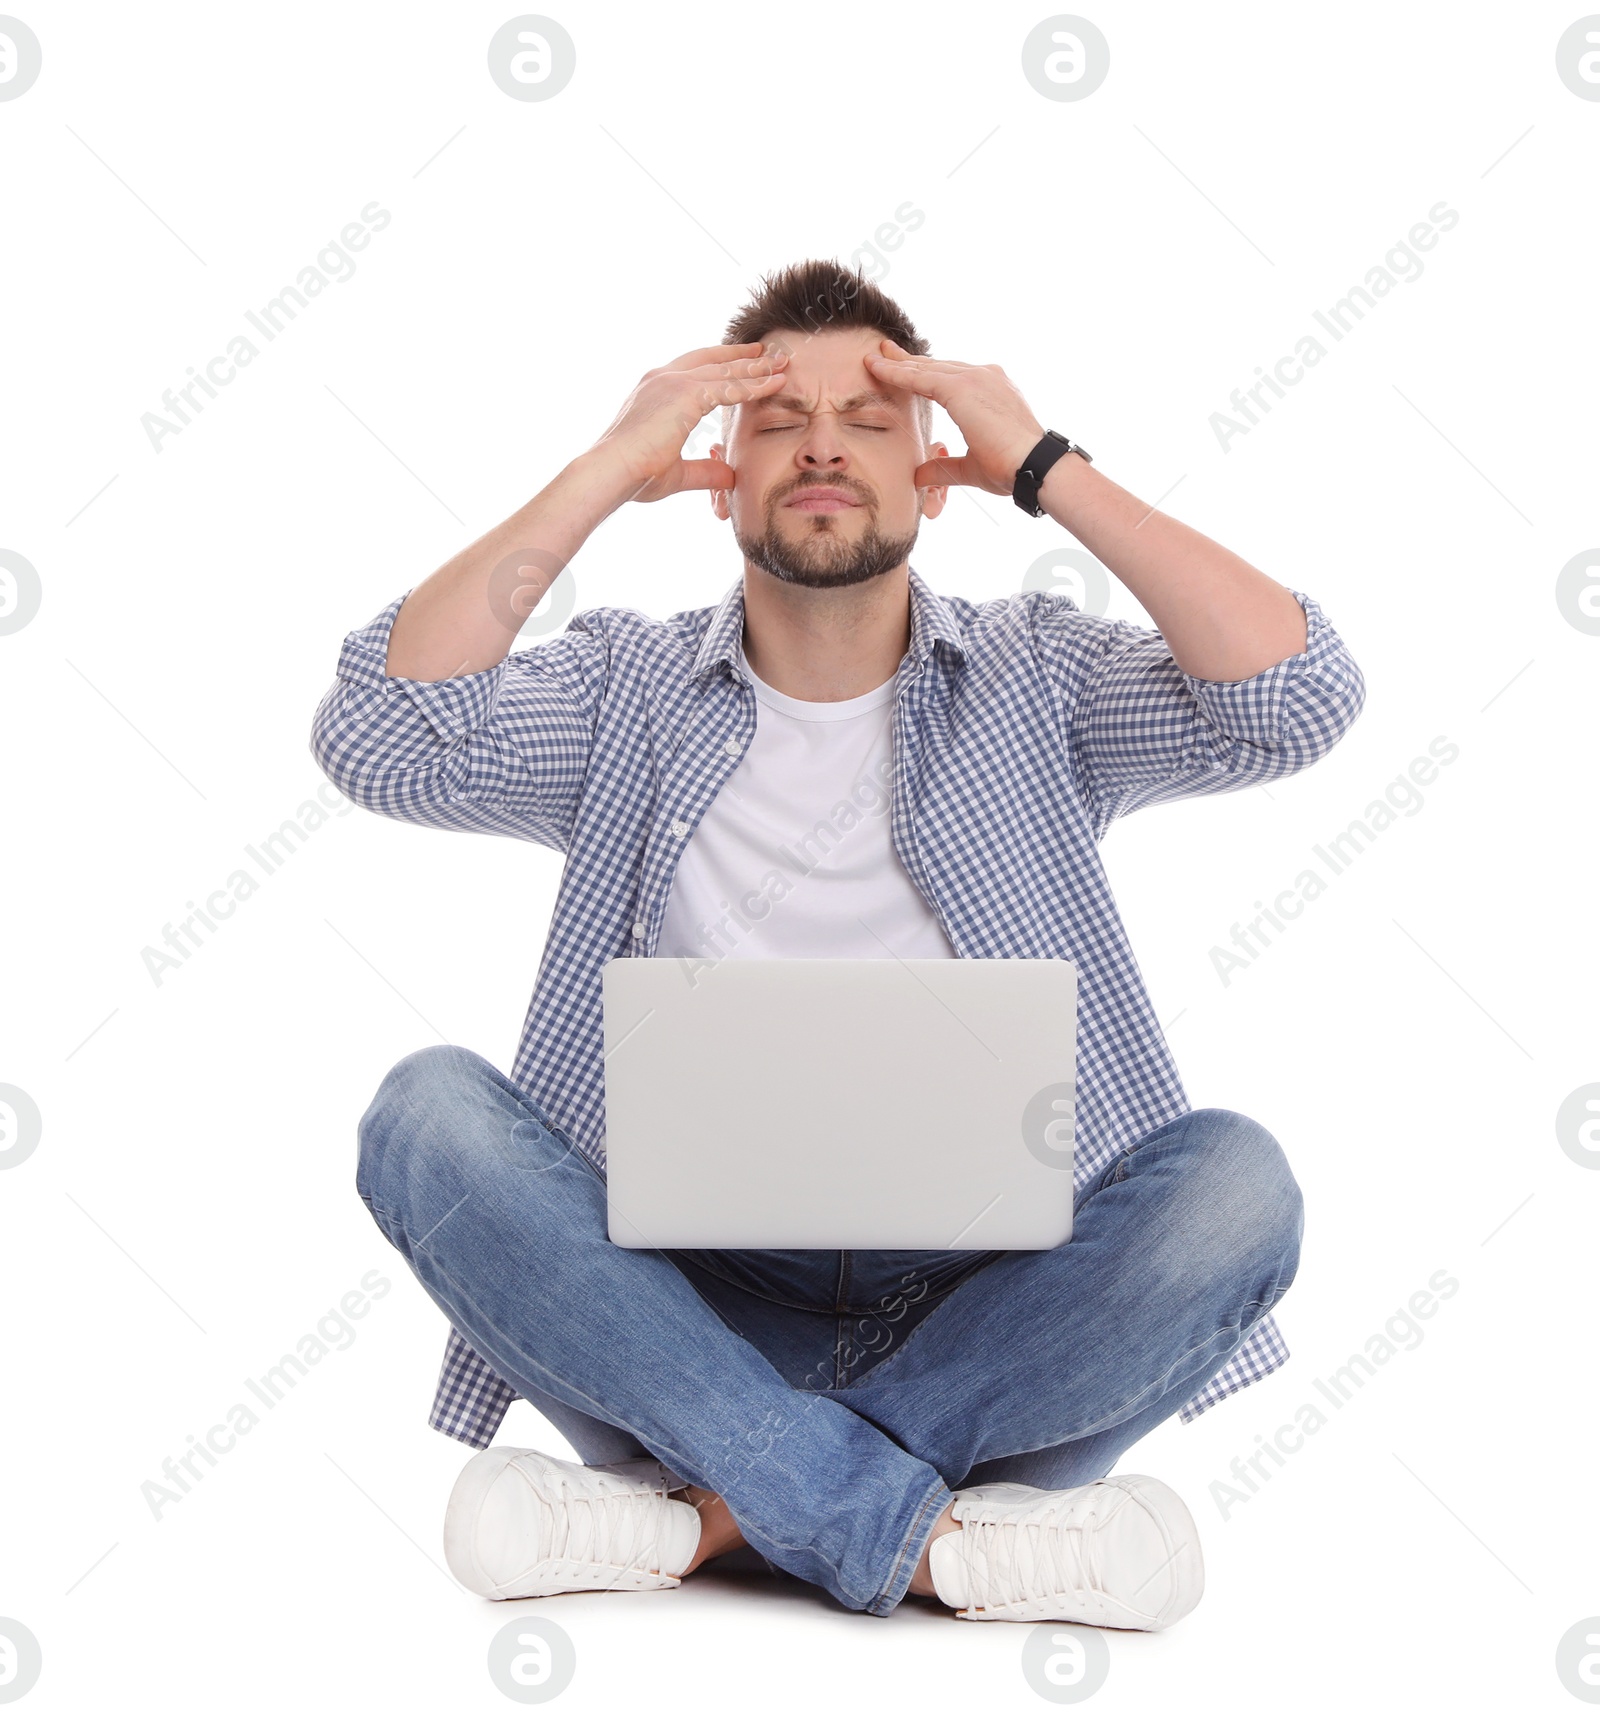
column 893, row 1591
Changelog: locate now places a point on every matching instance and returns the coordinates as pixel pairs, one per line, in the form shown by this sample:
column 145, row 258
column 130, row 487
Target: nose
column 822, row 447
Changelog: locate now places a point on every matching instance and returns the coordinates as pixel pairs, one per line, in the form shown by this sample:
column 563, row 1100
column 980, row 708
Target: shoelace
column 1022, row 1556
column 589, row 1539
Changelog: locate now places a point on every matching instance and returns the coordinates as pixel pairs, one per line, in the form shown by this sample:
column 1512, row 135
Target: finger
column 707, row 475
column 765, row 363
column 910, row 363
column 897, row 351
column 713, row 354
column 731, row 390
column 911, row 375
column 948, row 469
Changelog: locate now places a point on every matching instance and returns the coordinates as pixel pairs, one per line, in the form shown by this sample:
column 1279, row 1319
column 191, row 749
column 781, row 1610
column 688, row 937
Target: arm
column 503, row 750
column 430, row 720
column 464, row 617
column 1140, row 730
column 1221, row 618
column 1243, row 680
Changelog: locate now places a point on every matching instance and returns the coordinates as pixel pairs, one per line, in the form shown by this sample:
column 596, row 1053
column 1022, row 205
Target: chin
column 826, row 559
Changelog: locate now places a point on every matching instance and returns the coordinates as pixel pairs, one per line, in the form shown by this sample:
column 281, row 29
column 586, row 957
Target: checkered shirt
column 1023, row 726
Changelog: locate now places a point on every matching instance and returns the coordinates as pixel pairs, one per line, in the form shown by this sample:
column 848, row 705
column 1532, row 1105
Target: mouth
column 820, row 500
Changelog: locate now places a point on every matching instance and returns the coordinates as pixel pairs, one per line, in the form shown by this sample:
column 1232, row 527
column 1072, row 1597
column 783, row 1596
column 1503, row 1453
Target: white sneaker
column 1122, row 1552
column 521, row 1524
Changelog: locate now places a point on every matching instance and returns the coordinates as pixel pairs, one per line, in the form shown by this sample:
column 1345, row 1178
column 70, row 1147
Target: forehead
column 829, row 367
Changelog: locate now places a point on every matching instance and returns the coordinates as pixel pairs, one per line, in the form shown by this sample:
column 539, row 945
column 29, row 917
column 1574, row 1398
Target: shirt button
column 679, row 828
column 731, row 744
column 638, row 928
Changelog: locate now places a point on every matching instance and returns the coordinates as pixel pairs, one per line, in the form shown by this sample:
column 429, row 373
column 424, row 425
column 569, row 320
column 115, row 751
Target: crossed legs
column 1038, row 1367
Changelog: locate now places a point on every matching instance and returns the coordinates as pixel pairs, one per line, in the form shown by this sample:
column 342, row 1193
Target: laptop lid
column 839, row 1103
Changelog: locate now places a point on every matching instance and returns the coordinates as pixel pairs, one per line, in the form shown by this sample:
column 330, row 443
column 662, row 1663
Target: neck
column 823, row 645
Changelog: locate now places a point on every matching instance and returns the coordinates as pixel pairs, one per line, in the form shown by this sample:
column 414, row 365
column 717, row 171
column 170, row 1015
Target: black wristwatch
column 1030, row 474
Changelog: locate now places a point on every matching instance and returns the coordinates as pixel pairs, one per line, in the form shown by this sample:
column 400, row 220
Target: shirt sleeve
column 503, row 751
column 1141, row 731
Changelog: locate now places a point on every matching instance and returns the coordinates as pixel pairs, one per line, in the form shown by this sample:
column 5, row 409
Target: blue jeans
column 833, row 1399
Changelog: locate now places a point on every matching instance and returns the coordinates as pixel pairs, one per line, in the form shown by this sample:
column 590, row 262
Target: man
column 877, row 1423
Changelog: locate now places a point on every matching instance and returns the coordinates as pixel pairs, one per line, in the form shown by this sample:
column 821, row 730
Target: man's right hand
column 463, row 617
column 645, row 440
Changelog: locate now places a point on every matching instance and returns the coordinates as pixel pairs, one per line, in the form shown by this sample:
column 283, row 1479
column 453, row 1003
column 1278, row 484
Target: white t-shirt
column 795, row 853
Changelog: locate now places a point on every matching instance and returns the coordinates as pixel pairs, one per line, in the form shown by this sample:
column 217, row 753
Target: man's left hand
column 987, row 409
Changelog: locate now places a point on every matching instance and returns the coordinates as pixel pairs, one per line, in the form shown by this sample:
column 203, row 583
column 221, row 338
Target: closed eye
column 771, row 427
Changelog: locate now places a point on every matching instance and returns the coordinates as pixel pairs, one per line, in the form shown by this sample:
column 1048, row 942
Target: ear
column 934, row 497
column 719, row 498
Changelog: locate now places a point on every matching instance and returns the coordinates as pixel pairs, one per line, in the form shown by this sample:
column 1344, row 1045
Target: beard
column 821, row 555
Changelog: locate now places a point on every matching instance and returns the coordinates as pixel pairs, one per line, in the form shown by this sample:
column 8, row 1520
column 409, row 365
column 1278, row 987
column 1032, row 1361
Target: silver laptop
column 922, row 1104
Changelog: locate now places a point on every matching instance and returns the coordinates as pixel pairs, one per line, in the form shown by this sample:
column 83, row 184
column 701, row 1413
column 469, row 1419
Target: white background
column 1130, row 258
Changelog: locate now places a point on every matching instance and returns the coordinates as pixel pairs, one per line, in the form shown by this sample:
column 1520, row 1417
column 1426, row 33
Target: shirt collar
column 932, row 620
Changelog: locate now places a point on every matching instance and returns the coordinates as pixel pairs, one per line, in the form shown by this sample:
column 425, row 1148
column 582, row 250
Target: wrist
column 1021, row 449
column 598, row 481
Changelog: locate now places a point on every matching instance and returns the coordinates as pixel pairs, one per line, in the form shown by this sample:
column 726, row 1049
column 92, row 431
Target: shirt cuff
column 452, row 708
column 1252, row 710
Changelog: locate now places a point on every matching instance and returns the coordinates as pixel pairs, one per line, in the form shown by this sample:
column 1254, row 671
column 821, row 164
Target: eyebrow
column 793, row 402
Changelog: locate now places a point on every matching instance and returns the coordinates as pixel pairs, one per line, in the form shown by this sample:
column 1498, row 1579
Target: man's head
column 831, row 427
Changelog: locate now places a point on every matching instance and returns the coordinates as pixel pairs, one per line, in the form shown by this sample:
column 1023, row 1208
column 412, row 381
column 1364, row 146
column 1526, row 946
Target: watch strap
column 1031, row 473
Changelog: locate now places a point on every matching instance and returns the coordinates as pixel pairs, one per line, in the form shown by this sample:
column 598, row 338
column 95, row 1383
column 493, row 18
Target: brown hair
column 816, row 297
